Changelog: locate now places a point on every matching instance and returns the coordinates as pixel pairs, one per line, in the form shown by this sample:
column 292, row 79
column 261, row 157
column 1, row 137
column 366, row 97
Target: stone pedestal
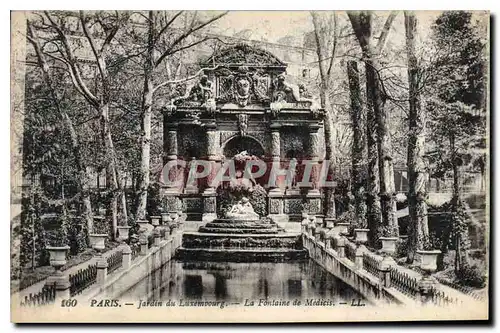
column 156, row 237
column 276, row 209
column 426, row 287
column 314, row 204
column 329, row 222
column 340, row 246
column 62, row 286
column 209, row 207
column 127, row 256
column 172, row 203
column 384, row 270
column 360, row 250
column 143, row 240
column 102, row 270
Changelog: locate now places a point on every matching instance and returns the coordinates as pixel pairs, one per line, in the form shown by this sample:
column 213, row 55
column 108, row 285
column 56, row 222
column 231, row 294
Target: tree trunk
column 147, row 105
column 143, row 181
column 461, row 236
column 374, row 210
column 357, row 179
column 387, row 186
column 82, row 176
column 380, row 168
column 330, row 208
column 418, row 225
column 113, row 184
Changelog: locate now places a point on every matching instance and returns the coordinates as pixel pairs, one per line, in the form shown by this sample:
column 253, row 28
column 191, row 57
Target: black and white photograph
column 182, row 166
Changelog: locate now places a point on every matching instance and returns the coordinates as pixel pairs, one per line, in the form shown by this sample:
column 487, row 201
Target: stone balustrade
column 166, row 239
column 376, row 277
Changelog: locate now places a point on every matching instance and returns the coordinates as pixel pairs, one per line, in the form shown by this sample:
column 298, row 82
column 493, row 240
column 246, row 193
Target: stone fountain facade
column 242, row 101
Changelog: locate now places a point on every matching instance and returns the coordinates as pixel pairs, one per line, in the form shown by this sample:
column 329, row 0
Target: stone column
column 313, row 195
column 276, row 209
column 170, row 150
column 314, row 152
column 171, row 192
column 275, row 156
column 213, row 156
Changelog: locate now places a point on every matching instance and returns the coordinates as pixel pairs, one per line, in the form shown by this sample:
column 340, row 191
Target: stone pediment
column 244, row 77
column 244, row 55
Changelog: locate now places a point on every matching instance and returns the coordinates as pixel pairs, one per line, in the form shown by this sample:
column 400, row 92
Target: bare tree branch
column 72, row 63
column 168, row 24
column 183, row 36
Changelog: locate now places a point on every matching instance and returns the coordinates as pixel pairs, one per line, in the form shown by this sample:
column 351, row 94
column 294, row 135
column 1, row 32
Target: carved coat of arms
column 242, row 90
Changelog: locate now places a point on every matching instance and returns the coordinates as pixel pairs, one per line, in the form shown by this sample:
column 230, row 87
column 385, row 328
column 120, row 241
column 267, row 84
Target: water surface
column 238, row 283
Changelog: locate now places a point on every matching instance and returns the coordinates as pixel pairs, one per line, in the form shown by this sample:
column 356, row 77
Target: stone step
column 241, row 241
column 238, row 231
column 241, row 255
column 239, row 225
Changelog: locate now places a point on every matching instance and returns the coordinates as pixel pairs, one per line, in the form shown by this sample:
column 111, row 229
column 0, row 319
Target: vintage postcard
column 249, row 166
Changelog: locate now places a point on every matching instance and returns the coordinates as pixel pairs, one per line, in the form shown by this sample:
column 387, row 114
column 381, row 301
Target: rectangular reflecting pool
column 237, row 283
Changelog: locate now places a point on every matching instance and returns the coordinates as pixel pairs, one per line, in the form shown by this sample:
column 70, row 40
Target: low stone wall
column 125, row 278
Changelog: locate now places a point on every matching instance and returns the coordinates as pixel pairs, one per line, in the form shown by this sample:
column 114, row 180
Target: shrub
column 258, row 199
column 402, row 248
column 471, row 275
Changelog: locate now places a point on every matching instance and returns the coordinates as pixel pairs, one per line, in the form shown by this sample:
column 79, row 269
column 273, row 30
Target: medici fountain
column 223, row 137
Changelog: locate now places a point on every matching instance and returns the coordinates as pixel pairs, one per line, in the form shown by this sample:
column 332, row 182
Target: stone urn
column 102, row 211
column 174, row 216
column 342, row 228
column 123, row 231
column 97, row 241
column 144, row 226
column 389, row 244
column 361, row 235
column 165, row 218
column 428, row 260
column 155, row 220
column 57, row 256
